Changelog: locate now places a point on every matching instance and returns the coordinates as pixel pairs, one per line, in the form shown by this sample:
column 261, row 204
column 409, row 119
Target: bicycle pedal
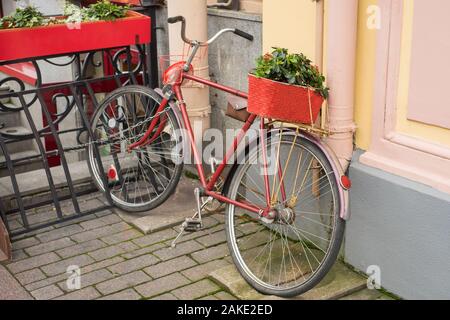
column 193, row 225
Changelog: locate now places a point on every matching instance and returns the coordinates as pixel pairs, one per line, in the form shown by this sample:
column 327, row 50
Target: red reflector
column 112, row 173
column 346, row 182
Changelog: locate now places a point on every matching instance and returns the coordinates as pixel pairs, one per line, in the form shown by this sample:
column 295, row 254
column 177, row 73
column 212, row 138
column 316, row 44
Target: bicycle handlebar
column 181, row 19
column 243, row 34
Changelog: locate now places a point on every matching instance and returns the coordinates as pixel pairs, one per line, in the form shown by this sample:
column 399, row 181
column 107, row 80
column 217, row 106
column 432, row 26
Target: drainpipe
column 341, row 67
column 196, row 96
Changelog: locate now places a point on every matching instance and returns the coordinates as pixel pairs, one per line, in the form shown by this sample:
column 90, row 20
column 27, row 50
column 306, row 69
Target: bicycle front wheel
column 143, row 178
column 291, row 254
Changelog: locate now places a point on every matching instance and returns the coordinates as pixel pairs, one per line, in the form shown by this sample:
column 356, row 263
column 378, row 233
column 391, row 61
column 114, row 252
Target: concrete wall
column 404, row 228
column 231, row 58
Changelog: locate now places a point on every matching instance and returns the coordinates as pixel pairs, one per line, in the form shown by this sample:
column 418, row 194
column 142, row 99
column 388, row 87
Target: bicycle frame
column 208, row 185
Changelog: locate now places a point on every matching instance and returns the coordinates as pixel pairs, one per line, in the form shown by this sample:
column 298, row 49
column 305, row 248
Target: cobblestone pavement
column 119, row 262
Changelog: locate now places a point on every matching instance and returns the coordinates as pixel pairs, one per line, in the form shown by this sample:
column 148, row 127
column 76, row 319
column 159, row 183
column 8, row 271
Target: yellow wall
column 294, row 25
column 290, row 24
column 365, row 74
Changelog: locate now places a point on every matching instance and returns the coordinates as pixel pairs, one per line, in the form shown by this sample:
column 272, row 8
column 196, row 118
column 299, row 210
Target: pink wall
column 430, row 64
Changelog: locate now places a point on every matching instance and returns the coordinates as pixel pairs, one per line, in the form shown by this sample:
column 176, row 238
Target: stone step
column 15, row 130
column 9, row 118
column 180, row 206
column 4, row 90
column 340, row 282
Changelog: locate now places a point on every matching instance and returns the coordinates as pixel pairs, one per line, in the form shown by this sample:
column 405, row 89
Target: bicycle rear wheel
column 291, row 254
column 144, row 178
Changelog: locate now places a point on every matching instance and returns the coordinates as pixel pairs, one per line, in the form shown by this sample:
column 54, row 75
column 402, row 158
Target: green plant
column 23, row 18
column 295, row 69
column 103, row 10
column 30, row 16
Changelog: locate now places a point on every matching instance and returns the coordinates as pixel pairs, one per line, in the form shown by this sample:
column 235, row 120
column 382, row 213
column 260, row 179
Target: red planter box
column 281, row 101
column 60, row 39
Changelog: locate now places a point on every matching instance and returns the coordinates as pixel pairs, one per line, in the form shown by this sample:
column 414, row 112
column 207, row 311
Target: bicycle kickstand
column 195, row 223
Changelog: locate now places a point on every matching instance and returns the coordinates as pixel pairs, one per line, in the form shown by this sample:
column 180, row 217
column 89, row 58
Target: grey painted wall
column 404, row 228
column 231, row 58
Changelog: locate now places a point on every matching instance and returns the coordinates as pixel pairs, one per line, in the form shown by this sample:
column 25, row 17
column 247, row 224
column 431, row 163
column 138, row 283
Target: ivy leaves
column 295, row 69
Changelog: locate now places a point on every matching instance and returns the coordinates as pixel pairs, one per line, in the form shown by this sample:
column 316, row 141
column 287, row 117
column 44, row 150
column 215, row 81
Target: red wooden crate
column 60, row 39
column 282, row 101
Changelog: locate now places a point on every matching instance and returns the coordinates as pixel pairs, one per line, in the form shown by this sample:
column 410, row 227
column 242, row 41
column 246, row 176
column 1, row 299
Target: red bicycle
column 286, row 197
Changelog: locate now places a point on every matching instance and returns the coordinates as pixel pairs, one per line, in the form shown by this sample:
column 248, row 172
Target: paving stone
column 165, row 296
column 122, row 236
column 25, row 243
column 49, row 246
column 365, row 294
column 196, row 290
column 209, row 298
column 81, row 248
column 213, row 239
column 174, row 212
column 164, row 268
column 102, row 264
column 93, row 224
column 123, row 282
column 33, row 262
column 181, row 249
column 30, row 276
column 142, row 251
column 339, row 282
column 203, row 270
column 111, row 218
column 128, row 246
column 61, row 266
column 212, row 253
column 162, row 285
column 219, row 217
column 128, row 294
column 88, row 293
column 156, row 237
column 96, row 222
column 229, row 278
column 73, row 220
column 107, row 253
column 89, row 279
column 34, row 233
column 64, row 276
column 47, row 293
column 198, row 234
column 224, row 296
column 14, row 290
column 59, row 233
column 100, row 232
column 134, row 264
column 19, row 255
column 46, row 282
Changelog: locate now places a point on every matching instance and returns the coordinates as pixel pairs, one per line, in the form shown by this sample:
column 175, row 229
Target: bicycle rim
column 293, row 253
column 143, row 178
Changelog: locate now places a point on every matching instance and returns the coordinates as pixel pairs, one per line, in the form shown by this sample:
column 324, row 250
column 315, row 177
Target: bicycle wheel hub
column 286, row 216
